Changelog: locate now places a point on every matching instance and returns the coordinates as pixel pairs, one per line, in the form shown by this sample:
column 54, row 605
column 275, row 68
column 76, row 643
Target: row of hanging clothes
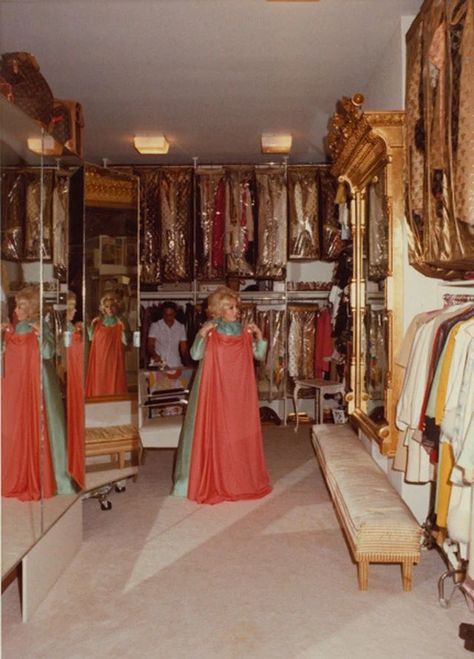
column 34, row 211
column 300, row 343
column 208, row 222
column 435, row 416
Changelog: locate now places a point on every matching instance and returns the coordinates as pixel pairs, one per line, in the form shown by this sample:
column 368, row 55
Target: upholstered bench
column 378, row 525
column 113, row 440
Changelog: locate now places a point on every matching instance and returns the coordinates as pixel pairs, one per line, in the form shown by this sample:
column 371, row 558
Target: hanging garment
column 27, row 470
column 324, row 344
column 440, row 132
column 413, row 395
column 150, row 271
column 376, row 365
column 303, row 212
column 331, row 229
column 220, row 453
column 218, row 228
column 60, row 214
column 176, row 213
column 271, row 370
column 461, row 38
column 12, row 208
column 377, row 231
column 75, row 405
column 209, row 189
column 38, row 216
column 272, row 224
column 238, row 222
column 106, row 367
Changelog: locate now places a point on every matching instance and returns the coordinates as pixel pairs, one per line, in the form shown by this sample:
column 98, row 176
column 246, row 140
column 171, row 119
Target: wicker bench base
column 378, row 525
column 114, row 441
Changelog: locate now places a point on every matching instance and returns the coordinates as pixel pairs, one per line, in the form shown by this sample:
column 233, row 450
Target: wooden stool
column 321, row 388
column 113, row 440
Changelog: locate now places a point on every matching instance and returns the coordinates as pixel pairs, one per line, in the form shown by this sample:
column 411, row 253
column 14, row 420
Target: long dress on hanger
column 220, row 453
column 106, row 367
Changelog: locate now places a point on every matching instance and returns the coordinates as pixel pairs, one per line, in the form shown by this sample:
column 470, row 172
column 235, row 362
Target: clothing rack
column 285, row 301
column 458, row 568
column 451, row 299
column 277, row 300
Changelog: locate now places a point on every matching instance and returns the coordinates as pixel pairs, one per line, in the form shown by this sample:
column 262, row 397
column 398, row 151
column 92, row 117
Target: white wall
column 385, row 88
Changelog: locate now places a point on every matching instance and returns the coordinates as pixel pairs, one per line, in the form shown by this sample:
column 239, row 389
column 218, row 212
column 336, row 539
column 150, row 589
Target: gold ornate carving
column 110, row 189
column 362, row 144
column 356, row 146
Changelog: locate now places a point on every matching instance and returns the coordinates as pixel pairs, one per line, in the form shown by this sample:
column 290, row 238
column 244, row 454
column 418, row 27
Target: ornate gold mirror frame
column 361, row 144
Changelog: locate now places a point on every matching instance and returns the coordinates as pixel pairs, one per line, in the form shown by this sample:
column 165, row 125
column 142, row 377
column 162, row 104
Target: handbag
column 30, row 90
column 67, row 125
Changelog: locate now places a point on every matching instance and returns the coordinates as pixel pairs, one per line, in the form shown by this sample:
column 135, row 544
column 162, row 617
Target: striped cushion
column 375, row 517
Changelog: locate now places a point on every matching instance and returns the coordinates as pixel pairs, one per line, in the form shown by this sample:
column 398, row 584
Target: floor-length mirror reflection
column 38, row 483
column 375, row 271
column 111, row 218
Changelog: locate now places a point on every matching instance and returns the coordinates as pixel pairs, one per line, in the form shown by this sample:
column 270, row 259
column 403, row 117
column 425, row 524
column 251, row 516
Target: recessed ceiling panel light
column 151, row 144
column 276, row 143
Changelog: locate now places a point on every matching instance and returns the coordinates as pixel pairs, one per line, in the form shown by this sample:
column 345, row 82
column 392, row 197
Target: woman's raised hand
column 255, row 330
column 206, row 328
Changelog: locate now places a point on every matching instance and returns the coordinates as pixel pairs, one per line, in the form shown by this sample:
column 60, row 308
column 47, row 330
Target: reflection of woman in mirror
column 75, row 392
column 106, row 368
column 23, row 475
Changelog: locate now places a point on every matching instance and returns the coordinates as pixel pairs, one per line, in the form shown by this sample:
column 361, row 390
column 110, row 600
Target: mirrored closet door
column 42, row 383
column 111, row 284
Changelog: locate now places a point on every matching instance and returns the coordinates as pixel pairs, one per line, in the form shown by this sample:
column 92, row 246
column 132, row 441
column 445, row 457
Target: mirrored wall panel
column 111, row 283
column 42, row 463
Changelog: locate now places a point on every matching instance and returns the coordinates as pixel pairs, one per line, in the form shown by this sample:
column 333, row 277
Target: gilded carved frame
column 360, row 144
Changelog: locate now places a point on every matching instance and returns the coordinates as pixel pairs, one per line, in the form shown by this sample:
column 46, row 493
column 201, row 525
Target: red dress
column 227, row 460
column 23, row 474
column 106, row 368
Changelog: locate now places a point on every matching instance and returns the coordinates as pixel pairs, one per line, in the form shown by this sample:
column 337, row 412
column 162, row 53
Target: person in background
column 167, row 341
column 220, row 454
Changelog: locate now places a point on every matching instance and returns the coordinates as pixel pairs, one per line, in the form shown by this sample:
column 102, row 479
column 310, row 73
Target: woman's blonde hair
column 217, row 300
column 30, row 295
column 108, row 298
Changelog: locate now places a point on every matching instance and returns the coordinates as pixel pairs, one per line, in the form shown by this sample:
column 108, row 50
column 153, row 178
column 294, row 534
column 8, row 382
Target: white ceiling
column 211, row 74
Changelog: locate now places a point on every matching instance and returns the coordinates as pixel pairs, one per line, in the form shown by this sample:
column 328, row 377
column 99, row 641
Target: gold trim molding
column 110, row 189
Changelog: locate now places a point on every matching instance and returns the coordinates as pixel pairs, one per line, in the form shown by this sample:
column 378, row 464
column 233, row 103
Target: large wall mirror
column 41, row 215
column 111, row 283
column 367, row 151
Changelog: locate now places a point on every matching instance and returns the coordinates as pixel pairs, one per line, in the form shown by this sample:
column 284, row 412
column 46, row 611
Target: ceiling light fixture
column 276, row 143
column 151, row 145
column 44, row 146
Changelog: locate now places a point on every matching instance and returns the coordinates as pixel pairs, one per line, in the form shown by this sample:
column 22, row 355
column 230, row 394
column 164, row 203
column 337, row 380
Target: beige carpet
column 165, row 578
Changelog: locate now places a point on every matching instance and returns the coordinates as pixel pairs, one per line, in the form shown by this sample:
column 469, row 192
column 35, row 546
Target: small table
column 321, row 388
